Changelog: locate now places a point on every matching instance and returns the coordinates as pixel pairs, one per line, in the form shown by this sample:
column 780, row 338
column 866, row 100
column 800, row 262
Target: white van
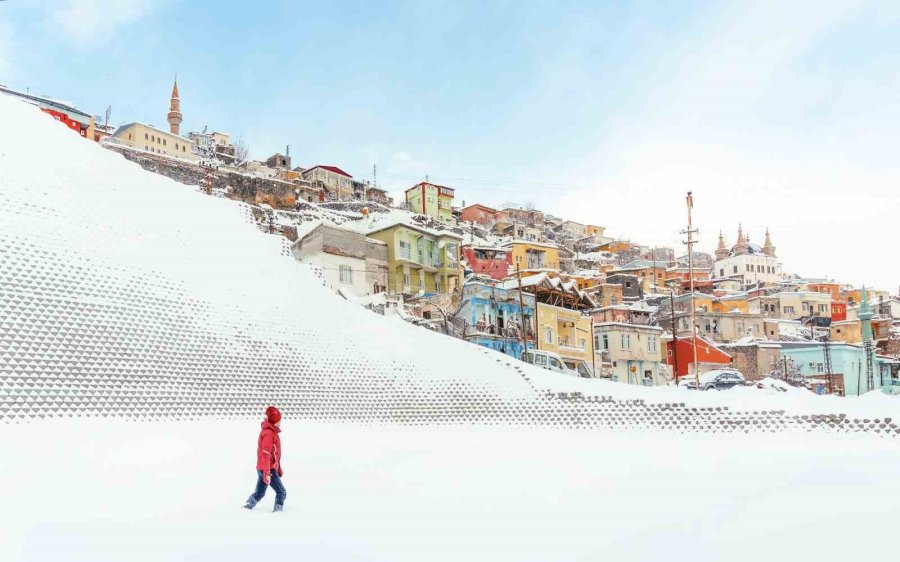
column 548, row 360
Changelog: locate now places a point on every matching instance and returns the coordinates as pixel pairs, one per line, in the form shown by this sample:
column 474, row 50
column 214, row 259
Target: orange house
column 707, row 354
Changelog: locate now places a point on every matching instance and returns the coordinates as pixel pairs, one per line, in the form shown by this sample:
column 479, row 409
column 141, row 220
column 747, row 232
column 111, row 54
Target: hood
column 266, row 425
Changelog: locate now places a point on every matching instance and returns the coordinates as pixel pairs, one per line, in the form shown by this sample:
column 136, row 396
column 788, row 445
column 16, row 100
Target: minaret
column 865, row 319
column 768, row 248
column 721, row 251
column 174, row 117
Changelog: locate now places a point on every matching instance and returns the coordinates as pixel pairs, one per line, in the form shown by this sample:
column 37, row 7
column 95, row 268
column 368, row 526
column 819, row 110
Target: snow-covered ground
column 151, row 324
column 102, row 491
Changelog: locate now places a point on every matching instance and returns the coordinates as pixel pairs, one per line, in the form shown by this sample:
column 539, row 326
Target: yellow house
column 731, row 303
column 433, row 200
column 561, row 326
column 592, row 230
column 532, row 255
column 421, row 260
column 566, row 333
column 850, row 331
column 151, row 139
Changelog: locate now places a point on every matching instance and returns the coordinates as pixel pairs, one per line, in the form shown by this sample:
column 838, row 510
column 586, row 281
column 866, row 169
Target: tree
column 241, row 151
column 785, row 370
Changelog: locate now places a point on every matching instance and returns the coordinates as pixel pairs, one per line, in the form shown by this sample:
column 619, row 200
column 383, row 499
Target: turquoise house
column 494, row 317
column 848, row 361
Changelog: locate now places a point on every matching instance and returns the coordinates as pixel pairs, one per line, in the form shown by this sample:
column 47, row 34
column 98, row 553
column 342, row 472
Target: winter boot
column 278, row 507
column 251, row 503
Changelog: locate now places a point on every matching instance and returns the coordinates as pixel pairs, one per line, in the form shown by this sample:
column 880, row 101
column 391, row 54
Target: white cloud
column 722, row 118
column 92, row 22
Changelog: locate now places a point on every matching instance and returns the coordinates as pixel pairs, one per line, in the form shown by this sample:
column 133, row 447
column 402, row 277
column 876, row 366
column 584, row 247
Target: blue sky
column 778, row 115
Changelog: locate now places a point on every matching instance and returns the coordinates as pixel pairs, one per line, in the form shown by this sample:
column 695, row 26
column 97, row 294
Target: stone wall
column 250, row 189
column 755, row 362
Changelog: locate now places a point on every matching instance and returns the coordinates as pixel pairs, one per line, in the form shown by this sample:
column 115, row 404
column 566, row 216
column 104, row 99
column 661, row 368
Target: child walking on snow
column 268, row 461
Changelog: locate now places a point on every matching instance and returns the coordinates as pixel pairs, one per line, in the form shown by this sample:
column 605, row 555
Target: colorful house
column 848, row 365
column 560, row 326
column 420, row 260
column 487, row 260
column 630, row 353
column 652, row 274
column 494, row 317
column 436, row 201
column 680, row 354
column 479, row 214
column 532, row 255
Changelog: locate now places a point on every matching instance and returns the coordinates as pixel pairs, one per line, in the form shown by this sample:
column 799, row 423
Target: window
column 176, row 146
column 146, row 136
column 164, row 142
column 182, row 148
column 540, row 359
column 406, row 279
column 789, row 310
column 735, row 269
column 605, row 341
column 582, row 343
column 626, row 341
column 548, row 335
column 152, row 138
column 651, row 344
column 614, row 300
column 596, row 342
column 129, row 136
column 721, row 273
column 554, row 362
column 345, row 274
column 823, row 308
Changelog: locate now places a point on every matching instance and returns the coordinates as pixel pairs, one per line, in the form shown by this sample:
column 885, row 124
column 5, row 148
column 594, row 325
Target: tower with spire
column 722, row 250
column 768, row 248
column 741, row 247
column 174, row 116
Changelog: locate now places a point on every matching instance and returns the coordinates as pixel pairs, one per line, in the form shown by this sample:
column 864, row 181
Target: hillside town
column 531, row 285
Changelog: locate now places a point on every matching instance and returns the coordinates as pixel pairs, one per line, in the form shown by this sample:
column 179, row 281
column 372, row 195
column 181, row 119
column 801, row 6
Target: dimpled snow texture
column 126, row 294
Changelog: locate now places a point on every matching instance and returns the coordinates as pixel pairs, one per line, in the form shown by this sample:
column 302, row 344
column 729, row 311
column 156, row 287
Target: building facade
column 748, row 262
column 532, row 255
column 495, row 317
column 632, row 353
column 421, row 260
column 349, row 261
column 334, row 182
column 150, row 139
column 436, row 201
column 479, row 214
column 486, row 260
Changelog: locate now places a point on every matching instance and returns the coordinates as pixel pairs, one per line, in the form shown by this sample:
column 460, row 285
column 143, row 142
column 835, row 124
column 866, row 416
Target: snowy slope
column 140, row 315
column 125, row 293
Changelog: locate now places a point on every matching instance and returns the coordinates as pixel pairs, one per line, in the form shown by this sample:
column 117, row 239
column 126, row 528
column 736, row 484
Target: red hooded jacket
column 268, row 451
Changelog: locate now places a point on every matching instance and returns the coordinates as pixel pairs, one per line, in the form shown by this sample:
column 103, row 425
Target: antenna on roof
column 287, row 150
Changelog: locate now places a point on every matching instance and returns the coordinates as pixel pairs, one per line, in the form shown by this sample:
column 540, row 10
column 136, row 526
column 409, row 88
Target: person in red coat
column 268, row 461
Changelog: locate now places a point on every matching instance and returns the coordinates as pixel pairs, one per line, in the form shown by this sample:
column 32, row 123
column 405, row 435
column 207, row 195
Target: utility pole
column 826, row 349
column 522, row 314
column 674, row 339
column 690, row 249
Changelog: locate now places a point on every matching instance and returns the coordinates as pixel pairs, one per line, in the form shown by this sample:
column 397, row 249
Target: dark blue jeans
column 274, row 481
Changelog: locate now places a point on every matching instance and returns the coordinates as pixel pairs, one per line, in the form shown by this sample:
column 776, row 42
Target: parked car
column 717, row 379
column 548, row 360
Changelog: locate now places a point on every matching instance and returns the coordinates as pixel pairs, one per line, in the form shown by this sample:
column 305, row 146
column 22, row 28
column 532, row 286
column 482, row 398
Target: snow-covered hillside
column 127, row 294
column 153, row 323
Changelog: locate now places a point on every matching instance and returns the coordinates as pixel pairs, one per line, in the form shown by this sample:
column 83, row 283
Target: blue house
column 848, row 363
column 494, row 317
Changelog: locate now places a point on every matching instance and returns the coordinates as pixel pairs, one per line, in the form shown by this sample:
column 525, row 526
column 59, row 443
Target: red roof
column 334, row 169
